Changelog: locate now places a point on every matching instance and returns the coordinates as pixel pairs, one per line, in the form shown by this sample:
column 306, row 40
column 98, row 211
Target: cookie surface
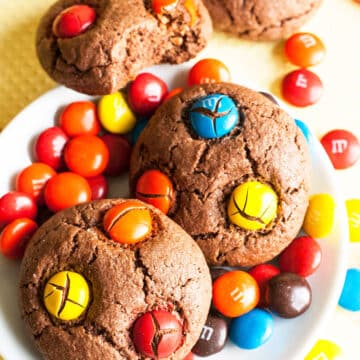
column 261, row 19
column 264, row 147
column 126, row 37
column 167, row 271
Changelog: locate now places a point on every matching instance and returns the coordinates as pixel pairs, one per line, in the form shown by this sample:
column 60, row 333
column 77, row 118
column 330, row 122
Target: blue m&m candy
column 137, row 130
column 252, row 330
column 214, row 116
column 304, row 129
column 350, row 296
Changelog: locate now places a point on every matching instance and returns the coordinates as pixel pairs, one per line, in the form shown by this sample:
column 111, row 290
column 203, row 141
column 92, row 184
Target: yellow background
column 337, row 23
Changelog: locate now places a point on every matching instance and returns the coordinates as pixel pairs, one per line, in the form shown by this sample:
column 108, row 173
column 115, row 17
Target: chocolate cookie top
column 262, row 150
column 261, row 19
column 166, row 271
column 127, row 36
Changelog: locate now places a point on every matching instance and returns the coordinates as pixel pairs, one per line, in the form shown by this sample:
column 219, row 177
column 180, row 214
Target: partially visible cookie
column 261, row 19
column 166, row 273
column 239, row 166
column 121, row 38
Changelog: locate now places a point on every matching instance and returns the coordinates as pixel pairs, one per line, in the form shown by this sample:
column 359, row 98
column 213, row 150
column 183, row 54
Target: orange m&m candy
column 155, row 188
column 235, row 293
column 128, row 222
column 160, row 5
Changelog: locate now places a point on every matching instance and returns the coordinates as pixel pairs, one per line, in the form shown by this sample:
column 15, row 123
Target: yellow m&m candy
column 320, row 216
column 66, row 295
column 252, row 205
column 324, row 350
column 115, row 114
column 353, row 210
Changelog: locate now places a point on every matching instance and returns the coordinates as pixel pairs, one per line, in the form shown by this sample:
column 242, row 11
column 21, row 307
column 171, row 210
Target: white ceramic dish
column 291, row 339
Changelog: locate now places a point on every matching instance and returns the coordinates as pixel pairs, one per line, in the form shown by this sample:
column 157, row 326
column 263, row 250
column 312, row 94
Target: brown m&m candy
column 213, row 336
column 288, row 295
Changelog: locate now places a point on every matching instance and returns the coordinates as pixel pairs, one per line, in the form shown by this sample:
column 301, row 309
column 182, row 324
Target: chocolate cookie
column 240, row 170
column 164, row 277
column 114, row 39
column 261, row 19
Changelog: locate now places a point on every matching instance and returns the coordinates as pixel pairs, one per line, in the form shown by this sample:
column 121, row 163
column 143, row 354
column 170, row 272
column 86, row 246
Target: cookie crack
column 139, row 264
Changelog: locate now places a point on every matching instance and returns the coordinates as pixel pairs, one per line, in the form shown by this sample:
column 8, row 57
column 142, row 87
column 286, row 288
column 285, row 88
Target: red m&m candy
column 343, row 148
column 155, row 188
column 50, row 145
column 302, row 88
column 15, row 236
column 262, row 274
column 73, row 21
column 99, row 187
column 146, row 93
column 15, row 205
column 302, row 256
column 304, row 49
column 157, row 334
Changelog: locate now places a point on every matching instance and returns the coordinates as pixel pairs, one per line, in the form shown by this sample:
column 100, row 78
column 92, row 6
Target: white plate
column 291, row 338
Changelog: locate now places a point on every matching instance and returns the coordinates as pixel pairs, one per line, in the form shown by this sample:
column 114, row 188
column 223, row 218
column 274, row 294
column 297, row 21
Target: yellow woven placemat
column 22, row 80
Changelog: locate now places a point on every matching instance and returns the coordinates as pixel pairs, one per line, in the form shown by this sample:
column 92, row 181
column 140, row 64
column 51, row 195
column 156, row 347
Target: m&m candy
column 304, row 49
column 115, row 114
column 324, row 349
column 252, row 330
column 157, row 334
column 302, row 256
column 304, row 129
column 252, row 205
column 208, row 71
column 213, row 336
column 73, row 21
column 235, row 293
column 66, row 295
column 353, row 211
column 288, row 295
column 343, row 148
column 155, row 188
column 302, row 88
column 214, row 116
column 350, row 296
column 128, row 222
column 320, row 216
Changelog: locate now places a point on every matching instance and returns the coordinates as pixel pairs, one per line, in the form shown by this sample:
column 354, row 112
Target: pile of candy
column 94, row 140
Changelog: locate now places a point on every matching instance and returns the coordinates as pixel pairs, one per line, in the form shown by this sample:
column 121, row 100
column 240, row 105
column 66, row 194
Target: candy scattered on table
column 128, row 223
column 343, row 148
column 350, row 296
column 353, row 211
column 66, row 295
column 235, row 293
column 304, row 49
column 320, row 216
column 208, row 71
column 302, row 88
column 252, row 205
column 15, row 236
column 80, row 118
column 302, row 256
column 288, row 295
column 324, row 350
column 214, row 116
column 65, row 190
column 213, row 336
column 115, row 114
column 73, row 21
column 155, row 188
column 252, row 330
column 157, row 334
column 146, row 93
